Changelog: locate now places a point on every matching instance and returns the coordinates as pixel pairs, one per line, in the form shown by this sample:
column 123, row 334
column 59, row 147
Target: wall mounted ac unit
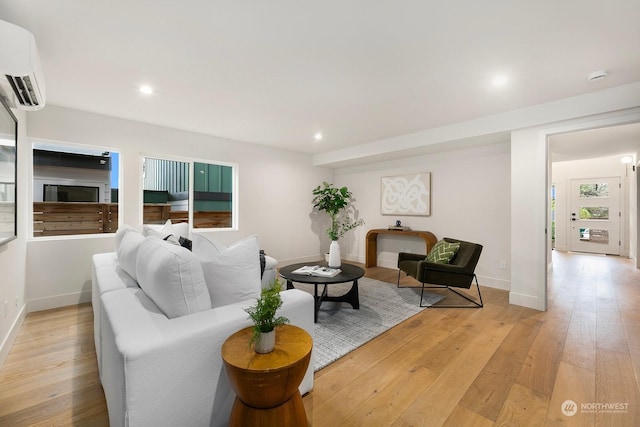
column 21, row 79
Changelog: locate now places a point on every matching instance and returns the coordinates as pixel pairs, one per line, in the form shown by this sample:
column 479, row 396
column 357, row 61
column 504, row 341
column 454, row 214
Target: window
column 167, row 192
column 75, row 190
column 212, row 195
column 594, row 236
column 590, row 191
column 70, row 193
column 594, row 212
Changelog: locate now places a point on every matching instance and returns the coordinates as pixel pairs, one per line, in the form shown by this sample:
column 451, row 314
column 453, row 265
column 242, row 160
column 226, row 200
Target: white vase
column 266, row 342
column 334, row 254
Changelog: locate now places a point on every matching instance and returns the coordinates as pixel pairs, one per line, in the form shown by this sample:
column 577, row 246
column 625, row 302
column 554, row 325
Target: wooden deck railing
column 69, row 218
column 59, row 219
column 160, row 213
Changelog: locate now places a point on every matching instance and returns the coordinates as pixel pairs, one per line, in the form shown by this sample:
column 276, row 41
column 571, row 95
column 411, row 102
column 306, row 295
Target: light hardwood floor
column 500, row 365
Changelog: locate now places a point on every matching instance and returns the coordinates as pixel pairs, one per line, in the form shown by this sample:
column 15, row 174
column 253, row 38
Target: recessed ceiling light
column 318, row 136
column 146, row 89
column 500, row 80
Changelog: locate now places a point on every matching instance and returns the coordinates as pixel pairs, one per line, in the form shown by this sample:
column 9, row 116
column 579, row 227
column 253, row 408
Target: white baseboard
column 387, row 263
column 5, row 347
column 58, row 301
column 289, row 261
column 528, row 301
column 492, row 282
column 39, row 305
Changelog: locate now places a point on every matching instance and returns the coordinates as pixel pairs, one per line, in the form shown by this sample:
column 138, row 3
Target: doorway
column 602, row 218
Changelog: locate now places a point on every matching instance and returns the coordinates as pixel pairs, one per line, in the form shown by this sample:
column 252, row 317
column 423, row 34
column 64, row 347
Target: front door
column 595, row 215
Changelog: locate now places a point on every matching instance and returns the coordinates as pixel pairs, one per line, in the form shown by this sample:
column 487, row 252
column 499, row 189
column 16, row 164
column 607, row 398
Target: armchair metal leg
column 399, row 272
column 474, row 303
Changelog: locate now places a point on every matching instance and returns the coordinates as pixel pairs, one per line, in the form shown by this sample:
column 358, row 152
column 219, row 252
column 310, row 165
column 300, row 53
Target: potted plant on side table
column 264, row 318
column 335, row 202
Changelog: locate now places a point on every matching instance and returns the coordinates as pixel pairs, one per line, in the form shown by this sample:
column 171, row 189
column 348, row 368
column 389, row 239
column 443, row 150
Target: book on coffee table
column 316, row 270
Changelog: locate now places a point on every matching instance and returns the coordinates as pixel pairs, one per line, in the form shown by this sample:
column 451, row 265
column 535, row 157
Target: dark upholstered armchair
column 459, row 273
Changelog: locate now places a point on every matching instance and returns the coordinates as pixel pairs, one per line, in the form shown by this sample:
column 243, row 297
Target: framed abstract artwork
column 406, row 194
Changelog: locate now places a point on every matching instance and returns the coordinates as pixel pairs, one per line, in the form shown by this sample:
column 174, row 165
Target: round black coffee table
column 348, row 273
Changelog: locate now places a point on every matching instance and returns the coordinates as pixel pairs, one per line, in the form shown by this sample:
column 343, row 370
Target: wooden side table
column 266, row 385
column 371, row 244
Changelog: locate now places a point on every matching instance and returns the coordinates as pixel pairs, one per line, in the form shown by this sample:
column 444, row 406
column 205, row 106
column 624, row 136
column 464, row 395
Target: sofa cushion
column 232, row 273
column 169, row 238
column 168, row 228
column 128, row 241
column 172, row 277
column 443, row 252
column 176, row 234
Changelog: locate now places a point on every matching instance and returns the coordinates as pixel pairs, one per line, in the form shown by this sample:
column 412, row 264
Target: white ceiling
column 276, row 72
column 603, row 142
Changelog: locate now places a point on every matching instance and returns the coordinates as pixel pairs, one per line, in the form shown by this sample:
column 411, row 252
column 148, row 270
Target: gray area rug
column 341, row 329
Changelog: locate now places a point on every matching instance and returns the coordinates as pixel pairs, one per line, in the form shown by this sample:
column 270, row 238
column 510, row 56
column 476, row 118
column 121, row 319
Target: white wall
column 564, row 172
column 13, row 257
column 470, row 191
column 274, row 196
column 528, row 218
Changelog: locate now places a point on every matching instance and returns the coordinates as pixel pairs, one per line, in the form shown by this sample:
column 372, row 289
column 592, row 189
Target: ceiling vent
column 21, row 79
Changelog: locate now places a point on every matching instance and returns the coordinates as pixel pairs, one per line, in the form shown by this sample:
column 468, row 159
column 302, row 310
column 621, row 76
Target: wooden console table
column 371, row 259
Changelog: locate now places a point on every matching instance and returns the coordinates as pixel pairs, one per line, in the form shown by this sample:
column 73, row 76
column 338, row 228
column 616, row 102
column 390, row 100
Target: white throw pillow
column 162, row 235
column 128, row 242
column 121, row 232
column 179, row 229
column 203, row 248
column 232, row 273
column 172, row 277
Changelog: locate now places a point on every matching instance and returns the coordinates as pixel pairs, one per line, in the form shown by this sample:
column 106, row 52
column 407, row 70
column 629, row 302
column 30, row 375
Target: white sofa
column 162, row 371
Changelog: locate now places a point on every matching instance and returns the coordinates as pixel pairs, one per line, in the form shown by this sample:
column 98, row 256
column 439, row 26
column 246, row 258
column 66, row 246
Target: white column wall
column 528, row 218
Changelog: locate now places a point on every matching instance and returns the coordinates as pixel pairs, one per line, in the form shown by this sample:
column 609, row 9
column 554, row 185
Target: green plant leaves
column 333, row 200
column 263, row 313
